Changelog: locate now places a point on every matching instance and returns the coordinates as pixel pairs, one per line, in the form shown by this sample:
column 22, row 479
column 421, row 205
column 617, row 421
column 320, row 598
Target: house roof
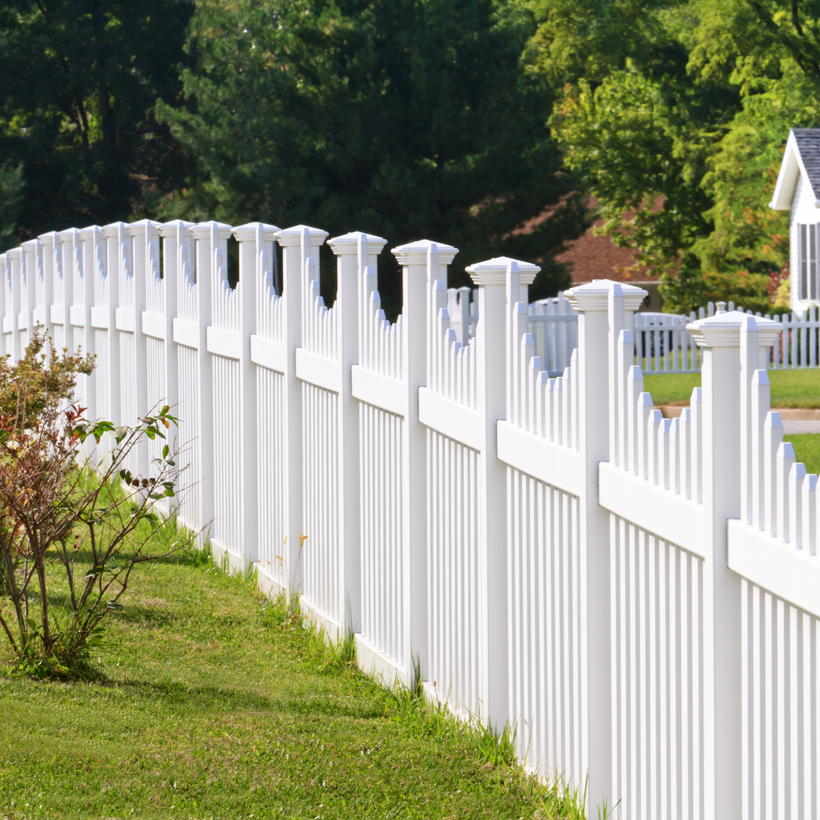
column 802, row 156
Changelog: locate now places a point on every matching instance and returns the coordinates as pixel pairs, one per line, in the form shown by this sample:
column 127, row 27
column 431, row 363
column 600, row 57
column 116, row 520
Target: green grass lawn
column 790, row 388
column 807, row 449
column 215, row 706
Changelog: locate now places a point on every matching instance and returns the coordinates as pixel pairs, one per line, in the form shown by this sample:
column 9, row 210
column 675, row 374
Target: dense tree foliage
column 80, row 82
column 405, row 118
column 675, row 114
column 483, row 123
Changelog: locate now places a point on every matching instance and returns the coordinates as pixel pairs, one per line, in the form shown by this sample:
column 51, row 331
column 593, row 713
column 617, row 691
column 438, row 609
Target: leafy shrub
column 69, row 537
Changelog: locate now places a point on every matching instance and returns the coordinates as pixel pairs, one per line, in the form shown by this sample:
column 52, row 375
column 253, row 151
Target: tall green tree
column 675, row 114
column 404, row 118
column 80, row 81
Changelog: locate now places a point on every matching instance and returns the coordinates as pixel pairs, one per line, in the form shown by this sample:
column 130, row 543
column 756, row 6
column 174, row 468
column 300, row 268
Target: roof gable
column 802, row 156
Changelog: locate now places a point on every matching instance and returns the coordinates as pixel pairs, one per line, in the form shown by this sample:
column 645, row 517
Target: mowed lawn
column 214, row 705
column 789, row 388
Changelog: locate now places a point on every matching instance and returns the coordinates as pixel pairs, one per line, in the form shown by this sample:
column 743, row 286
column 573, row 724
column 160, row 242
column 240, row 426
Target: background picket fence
column 638, row 596
column 662, row 342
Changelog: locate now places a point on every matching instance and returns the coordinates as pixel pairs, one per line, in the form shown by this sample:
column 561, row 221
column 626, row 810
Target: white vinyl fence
column 662, row 342
column 638, row 596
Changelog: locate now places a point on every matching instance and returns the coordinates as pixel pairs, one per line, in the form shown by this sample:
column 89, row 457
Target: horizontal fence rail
column 481, row 493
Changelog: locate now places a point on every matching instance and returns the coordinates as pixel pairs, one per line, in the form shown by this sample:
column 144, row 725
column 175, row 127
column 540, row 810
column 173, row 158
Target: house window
column 807, row 263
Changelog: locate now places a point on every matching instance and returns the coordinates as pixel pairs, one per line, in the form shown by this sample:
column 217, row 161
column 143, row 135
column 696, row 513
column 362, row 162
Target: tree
column 678, row 129
column 80, row 80
column 405, row 118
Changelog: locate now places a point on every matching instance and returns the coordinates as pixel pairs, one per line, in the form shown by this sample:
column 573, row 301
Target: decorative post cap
column 48, row 238
column 30, row 243
column 415, row 253
column 201, row 230
column 170, row 228
column 141, row 227
column 111, row 230
column 15, row 254
column 292, row 237
column 247, row 232
column 88, row 232
column 723, row 329
column 594, row 295
column 348, row 244
column 494, row 271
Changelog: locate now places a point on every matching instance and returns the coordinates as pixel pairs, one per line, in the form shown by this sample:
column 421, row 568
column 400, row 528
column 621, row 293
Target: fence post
column 48, row 272
column 43, row 258
column 145, row 251
column 253, row 239
column 498, row 280
column 353, row 250
column 114, row 260
column 208, row 236
column 15, row 259
column 413, row 259
column 32, row 252
column 5, row 297
column 173, row 238
column 292, row 267
column 592, row 303
column 89, row 238
column 723, row 438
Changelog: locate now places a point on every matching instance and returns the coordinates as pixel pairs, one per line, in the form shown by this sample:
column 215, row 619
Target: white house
column 798, row 191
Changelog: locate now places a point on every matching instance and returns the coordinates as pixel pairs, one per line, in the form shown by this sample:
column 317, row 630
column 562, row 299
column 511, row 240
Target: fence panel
column 319, row 368
column 224, row 344
column 267, row 351
column 380, row 383
column 459, row 642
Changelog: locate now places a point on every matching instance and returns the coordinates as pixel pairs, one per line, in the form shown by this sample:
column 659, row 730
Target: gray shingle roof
column 808, row 143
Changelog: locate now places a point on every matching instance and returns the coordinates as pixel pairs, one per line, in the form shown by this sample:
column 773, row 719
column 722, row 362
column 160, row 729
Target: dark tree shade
column 405, row 118
column 80, row 82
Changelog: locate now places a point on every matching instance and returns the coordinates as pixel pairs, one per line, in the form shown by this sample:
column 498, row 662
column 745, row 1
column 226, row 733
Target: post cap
column 89, row 231
column 348, row 243
column 202, row 230
column 723, row 330
column 415, row 253
column 15, row 254
column 594, row 296
column 494, row 271
column 170, row 228
column 48, row 238
column 247, row 232
column 292, row 237
column 140, row 227
column 111, row 230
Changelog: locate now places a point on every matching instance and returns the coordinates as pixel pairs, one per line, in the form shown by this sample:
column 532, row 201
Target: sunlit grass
column 790, row 388
column 218, row 704
column 806, row 449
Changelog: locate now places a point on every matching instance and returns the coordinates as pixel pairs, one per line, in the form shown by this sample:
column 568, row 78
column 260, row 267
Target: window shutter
column 815, row 263
column 803, row 261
